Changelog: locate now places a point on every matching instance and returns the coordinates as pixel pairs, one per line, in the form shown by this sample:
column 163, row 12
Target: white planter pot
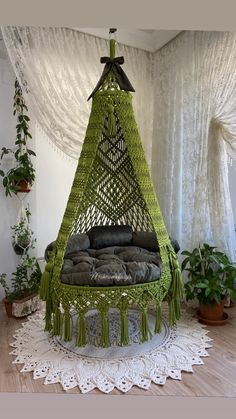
column 28, row 305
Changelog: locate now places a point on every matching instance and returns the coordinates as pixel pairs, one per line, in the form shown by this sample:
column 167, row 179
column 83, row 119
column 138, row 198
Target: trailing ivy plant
column 23, row 168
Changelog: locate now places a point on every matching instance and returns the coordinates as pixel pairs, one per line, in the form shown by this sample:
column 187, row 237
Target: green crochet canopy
column 112, row 185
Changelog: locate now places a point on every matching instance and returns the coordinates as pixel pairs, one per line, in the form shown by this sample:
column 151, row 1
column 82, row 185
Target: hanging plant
column 21, row 177
column 22, row 237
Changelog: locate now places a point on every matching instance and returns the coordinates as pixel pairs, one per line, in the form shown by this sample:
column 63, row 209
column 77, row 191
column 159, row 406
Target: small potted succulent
column 212, row 277
column 20, row 177
column 22, row 297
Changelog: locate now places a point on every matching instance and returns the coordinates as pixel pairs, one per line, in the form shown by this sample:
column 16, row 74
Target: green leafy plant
column 25, row 281
column 23, row 168
column 22, row 237
column 211, row 275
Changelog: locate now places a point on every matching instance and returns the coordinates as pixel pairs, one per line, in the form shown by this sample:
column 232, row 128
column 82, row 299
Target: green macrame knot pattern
column 111, row 128
column 112, row 185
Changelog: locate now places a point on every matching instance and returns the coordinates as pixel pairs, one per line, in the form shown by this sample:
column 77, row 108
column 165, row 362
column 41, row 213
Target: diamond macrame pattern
column 112, row 185
column 113, row 194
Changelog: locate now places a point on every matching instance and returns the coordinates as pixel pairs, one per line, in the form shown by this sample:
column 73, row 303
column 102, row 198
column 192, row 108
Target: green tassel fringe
column 57, row 322
column 81, row 336
column 158, row 319
column 176, row 290
column 105, row 341
column 172, row 318
column 67, row 327
column 45, row 286
column 145, row 331
column 48, row 316
column 111, row 121
column 124, row 333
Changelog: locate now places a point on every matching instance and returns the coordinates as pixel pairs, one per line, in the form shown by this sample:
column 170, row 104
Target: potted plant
column 22, row 234
column 211, row 278
column 22, row 297
column 20, row 177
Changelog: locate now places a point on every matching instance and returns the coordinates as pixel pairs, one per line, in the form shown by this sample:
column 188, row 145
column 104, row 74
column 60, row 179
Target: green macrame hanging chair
column 112, row 185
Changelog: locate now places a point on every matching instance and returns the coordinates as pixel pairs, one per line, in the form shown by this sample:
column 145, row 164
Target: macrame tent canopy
column 112, row 186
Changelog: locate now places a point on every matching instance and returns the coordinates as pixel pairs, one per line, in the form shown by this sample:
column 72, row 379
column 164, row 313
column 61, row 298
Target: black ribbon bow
column 114, row 64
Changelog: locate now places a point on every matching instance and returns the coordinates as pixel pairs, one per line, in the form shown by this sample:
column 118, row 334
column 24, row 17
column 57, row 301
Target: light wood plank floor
column 217, row 377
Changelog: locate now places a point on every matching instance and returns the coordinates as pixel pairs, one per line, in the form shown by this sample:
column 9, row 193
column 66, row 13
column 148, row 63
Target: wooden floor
column 217, row 377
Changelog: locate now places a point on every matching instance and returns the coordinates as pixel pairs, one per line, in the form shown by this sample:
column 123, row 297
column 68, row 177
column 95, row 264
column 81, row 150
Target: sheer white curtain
column 188, row 102
column 194, row 128
column 59, row 68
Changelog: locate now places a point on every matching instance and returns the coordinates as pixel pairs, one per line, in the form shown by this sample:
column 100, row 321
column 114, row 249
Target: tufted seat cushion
column 112, row 266
column 111, row 255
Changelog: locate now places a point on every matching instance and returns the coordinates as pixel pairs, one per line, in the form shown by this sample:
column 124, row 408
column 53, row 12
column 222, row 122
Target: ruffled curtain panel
column 195, row 128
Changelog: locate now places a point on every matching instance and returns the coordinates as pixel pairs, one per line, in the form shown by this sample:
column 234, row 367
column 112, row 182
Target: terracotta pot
column 8, row 307
column 212, row 311
column 23, row 185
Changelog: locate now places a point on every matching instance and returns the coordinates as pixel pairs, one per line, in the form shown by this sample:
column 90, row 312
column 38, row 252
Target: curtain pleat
column 194, row 130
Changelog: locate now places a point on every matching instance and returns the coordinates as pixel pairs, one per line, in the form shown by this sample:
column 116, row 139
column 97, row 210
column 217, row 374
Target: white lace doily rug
column 165, row 355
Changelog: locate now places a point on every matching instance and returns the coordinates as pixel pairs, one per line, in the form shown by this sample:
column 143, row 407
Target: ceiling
column 147, row 39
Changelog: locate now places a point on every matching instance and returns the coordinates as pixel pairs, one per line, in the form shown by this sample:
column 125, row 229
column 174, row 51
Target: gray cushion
column 109, row 274
column 143, row 272
column 105, row 236
column 76, row 243
column 112, row 266
column 67, row 266
column 148, row 240
column 145, row 239
column 76, row 278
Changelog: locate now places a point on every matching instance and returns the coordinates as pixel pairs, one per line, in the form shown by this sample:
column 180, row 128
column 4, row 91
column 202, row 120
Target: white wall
column 54, row 174
column 8, row 206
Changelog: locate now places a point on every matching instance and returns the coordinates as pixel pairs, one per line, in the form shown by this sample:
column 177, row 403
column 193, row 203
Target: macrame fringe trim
column 57, row 322
column 105, row 341
column 176, row 291
column 145, row 331
column 124, row 333
column 158, row 319
column 44, row 286
column 67, row 326
column 48, row 316
column 81, row 334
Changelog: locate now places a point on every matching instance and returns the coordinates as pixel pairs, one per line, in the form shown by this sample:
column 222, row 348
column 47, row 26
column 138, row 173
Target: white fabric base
column 165, row 355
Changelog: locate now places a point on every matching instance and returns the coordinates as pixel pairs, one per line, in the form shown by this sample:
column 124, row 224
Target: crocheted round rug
column 138, row 364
